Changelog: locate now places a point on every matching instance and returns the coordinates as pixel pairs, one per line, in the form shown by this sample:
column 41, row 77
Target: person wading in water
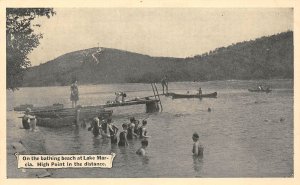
column 113, row 130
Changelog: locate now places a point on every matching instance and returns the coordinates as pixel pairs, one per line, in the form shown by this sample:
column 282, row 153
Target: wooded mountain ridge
column 262, row 58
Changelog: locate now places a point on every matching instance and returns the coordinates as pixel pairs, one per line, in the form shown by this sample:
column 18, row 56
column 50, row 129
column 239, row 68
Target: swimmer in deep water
column 142, row 151
column 197, row 147
column 123, row 136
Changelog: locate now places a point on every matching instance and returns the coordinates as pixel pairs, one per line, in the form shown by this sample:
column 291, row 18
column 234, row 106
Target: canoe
column 258, row 90
column 211, row 95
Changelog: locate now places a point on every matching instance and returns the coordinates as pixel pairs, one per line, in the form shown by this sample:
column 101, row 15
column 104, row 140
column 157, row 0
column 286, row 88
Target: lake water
column 242, row 135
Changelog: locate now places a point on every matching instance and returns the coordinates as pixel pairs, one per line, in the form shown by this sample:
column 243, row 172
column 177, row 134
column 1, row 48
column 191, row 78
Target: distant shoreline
column 90, row 84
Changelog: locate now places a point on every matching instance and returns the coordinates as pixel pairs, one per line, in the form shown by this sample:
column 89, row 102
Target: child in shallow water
column 142, row 151
column 197, row 147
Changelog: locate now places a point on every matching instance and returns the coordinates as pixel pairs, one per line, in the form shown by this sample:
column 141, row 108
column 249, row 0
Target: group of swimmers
column 133, row 129
column 107, row 129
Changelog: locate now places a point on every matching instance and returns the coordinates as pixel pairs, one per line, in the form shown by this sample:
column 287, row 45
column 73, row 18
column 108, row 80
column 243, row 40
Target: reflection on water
column 235, row 134
column 197, row 164
column 145, row 160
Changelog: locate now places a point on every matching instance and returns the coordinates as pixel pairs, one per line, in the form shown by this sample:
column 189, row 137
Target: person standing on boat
column 74, row 93
column 113, row 130
column 164, row 83
column 123, row 136
column 200, row 91
column 197, row 147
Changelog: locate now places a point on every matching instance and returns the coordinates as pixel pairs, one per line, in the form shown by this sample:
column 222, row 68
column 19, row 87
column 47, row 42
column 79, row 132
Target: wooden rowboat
column 211, row 95
column 59, row 122
column 23, row 107
column 68, row 116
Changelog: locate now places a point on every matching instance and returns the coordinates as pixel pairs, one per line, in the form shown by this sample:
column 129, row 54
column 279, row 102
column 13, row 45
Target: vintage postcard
column 148, row 90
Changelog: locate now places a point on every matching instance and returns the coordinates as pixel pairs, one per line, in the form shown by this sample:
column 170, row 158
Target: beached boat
column 69, row 120
column 23, row 107
column 69, row 116
column 260, row 90
column 211, row 95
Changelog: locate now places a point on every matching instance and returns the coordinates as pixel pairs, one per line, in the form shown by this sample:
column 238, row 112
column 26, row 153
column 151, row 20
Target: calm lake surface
column 242, row 135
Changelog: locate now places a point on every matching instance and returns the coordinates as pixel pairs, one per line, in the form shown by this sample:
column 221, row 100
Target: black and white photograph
column 170, row 92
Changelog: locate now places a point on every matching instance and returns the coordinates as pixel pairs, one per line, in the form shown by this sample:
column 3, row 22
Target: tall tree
column 20, row 41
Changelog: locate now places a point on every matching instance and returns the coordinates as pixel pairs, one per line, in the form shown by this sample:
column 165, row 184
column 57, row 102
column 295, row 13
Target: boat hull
column 257, row 90
column 211, row 95
column 59, row 122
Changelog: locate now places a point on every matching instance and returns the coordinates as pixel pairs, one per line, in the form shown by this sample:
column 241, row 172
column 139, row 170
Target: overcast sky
column 171, row 32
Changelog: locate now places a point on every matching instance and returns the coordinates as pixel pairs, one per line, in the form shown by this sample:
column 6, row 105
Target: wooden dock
column 57, row 116
column 151, row 104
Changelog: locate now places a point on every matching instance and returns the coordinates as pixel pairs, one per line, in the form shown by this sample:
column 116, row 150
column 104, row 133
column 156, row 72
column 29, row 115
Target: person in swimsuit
column 103, row 125
column 123, row 137
column 200, row 91
column 197, row 147
column 26, row 119
column 131, row 128
column 74, row 93
column 143, row 130
column 164, row 83
column 136, row 127
column 142, row 151
column 96, row 126
column 113, row 130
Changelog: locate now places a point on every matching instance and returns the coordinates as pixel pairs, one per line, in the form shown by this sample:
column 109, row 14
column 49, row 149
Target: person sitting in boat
column 197, row 147
column 164, row 84
column 130, row 129
column 200, row 91
column 143, row 130
column 260, row 87
column 123, row 136
column 118, row 95
column 142, row 151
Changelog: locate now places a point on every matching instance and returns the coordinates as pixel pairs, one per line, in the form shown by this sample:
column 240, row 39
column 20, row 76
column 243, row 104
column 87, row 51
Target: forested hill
column 263, row 58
